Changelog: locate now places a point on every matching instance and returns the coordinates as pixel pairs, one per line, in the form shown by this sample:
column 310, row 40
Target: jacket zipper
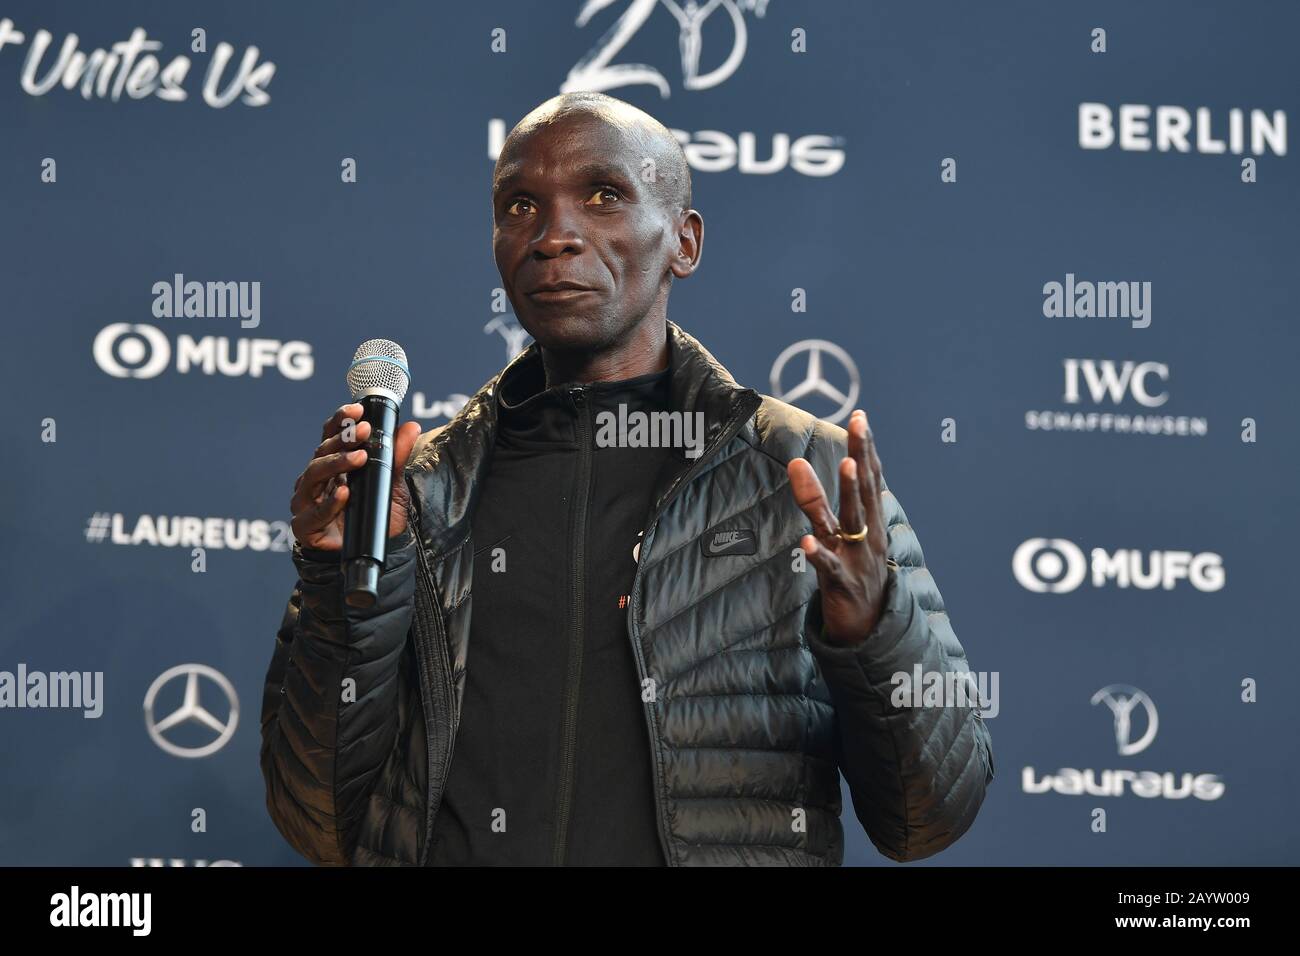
column 424, row 615
column 578, row 592
column 428, row 619
column 744, row 410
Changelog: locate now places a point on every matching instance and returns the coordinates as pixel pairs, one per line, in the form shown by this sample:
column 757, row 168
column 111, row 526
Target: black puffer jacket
column 753, row 713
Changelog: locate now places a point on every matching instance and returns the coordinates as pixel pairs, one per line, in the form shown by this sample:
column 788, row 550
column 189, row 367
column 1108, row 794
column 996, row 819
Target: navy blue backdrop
column 916, row 174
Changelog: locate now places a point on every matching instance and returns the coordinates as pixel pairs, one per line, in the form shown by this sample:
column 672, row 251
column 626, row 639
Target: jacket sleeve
column 324, row 741
column 917, row 775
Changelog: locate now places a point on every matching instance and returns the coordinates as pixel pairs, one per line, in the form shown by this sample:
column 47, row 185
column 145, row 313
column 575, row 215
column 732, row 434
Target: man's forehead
column 552, row 154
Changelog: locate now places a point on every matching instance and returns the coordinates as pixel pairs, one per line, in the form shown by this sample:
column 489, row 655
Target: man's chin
column 570, row 332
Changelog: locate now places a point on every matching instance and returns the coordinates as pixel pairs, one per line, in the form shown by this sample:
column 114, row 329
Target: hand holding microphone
column 341, row 501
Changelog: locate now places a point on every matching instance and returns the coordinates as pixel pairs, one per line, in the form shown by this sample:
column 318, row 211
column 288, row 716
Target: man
column 593, row 649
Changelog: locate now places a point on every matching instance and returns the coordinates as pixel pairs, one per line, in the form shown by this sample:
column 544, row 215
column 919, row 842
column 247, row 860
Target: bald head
column 643, row 137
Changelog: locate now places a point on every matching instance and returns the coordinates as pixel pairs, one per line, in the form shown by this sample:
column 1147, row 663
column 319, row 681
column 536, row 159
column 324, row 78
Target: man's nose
column 557, row 235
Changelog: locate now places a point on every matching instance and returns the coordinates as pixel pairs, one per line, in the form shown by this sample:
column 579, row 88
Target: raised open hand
column 848, row 551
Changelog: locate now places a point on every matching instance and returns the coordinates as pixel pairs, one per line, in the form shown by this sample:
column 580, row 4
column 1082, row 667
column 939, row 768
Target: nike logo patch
column 732, row 541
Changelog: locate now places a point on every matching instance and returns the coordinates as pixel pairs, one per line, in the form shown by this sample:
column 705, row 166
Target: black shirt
column 552, row 762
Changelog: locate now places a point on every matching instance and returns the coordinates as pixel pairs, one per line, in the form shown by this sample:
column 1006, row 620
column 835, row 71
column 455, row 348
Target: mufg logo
column 1058, row 566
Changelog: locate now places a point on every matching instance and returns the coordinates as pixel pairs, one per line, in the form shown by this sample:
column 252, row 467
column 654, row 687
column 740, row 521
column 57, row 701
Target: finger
column 403, row 442
column 852, row 514
column 858, row 450
column 879, row 533
column 332, row 424
column 319, row 471
column 811, row 499
column 873, row 458
column 336, row 443
column 319, row 516
column 825, row 561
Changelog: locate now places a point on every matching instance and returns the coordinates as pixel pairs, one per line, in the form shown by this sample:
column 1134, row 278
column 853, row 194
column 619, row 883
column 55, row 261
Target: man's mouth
column 559, row 292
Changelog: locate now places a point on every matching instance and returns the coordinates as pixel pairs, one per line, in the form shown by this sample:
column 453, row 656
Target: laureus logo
column 1135, row 724
column 1124, row 702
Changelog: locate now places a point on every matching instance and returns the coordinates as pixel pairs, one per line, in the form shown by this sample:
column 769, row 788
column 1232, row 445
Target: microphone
column 377, row 378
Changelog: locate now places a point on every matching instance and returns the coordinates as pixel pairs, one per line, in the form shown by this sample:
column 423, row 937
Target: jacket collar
column 449, row 464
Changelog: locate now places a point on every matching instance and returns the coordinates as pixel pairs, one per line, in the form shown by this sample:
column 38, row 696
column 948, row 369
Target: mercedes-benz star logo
column 1122, row 700
column 191, row 710
column 814, row 381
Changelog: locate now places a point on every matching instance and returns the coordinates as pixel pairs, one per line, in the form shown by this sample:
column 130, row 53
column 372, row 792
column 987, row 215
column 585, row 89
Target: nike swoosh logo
column 746, row 543
column 714, row 549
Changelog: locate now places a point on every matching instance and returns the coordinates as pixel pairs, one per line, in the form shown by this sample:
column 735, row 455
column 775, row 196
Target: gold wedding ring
column 856, row 536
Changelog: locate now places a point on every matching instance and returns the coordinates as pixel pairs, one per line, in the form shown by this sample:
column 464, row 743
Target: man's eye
column 510, row 210
column 605, row 191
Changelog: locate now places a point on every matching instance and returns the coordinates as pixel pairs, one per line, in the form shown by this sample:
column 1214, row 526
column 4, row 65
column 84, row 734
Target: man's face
column 570, row 208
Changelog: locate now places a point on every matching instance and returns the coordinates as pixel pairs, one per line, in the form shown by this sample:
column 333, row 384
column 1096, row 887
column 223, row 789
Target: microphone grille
column 379, row 366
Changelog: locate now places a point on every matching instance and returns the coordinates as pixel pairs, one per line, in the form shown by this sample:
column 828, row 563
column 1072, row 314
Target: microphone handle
column 365, row 525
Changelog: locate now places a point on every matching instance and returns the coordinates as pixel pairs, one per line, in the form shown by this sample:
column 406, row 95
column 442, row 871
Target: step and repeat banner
column 1050, row 248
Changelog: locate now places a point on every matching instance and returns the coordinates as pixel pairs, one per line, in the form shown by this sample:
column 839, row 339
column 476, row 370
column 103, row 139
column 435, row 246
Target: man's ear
column 690, row 244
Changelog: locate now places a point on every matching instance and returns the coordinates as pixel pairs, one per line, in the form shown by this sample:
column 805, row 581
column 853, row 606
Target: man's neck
column 642, row 352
